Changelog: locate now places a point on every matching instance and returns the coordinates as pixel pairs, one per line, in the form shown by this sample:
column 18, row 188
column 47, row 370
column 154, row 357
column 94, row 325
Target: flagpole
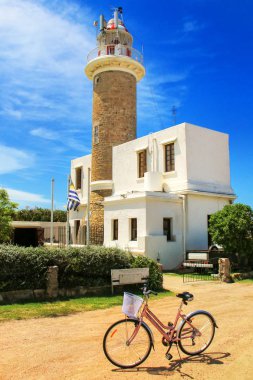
column 88, row 211
column 67, row 225
column 52, row 212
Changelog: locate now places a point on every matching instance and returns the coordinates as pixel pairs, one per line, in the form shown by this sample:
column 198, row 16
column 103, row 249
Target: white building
column 164, row 187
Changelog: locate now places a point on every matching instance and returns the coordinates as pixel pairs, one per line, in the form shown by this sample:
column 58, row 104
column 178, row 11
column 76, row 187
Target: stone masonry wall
column 114, row 118
column 114, row 123
column 97, row 216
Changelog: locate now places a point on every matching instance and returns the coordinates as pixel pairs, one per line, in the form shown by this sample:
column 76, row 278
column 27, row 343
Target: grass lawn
column 245, row 281
column 63, row 307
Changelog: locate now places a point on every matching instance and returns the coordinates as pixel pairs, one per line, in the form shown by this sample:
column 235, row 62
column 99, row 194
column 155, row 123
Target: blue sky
column 198, row 57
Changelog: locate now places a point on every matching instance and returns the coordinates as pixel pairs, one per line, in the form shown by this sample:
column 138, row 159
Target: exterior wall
column 201, row 161
column 85, row 163
column 124, row 210
column 198, row 207
column 149, row 209
column 207, row 159
column 170, row 252
column 114, row 114
column 125, row 160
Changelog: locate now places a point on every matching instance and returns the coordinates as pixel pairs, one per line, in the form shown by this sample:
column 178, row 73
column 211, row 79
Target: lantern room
column 114, row 41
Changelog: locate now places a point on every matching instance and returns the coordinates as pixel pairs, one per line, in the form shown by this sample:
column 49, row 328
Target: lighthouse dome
column 111, row 25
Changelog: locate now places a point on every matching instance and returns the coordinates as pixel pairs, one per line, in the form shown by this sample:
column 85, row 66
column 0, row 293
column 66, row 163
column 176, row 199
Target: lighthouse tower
column 115, row 67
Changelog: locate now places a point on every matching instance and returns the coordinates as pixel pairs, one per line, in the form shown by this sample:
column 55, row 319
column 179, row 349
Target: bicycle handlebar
column 151, row 292
column 146, row 292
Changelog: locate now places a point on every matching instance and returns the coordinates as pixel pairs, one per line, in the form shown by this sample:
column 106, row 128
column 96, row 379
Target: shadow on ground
column 177, row 365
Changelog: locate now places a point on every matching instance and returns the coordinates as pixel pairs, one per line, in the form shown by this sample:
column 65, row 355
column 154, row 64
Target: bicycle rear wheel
column 196, row 333
column 117, row 349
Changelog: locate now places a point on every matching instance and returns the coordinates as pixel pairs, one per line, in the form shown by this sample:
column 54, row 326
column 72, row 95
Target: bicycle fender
column 190, row 315
column 149, row 330
column 151, row 333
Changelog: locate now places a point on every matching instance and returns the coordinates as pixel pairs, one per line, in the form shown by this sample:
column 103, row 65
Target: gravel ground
column 71, row 347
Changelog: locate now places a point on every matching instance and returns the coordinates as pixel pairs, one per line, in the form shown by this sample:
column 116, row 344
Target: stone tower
column 115, row 67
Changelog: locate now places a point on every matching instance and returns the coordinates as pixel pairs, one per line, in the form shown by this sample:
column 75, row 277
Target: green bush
column 26, row 268
column 155, row 276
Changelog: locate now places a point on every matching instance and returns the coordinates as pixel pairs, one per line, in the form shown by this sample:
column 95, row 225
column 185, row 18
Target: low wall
column 52, row 290
column 41, row 294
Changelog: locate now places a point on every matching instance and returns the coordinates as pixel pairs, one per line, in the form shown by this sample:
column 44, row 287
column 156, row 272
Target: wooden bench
column 129, row 276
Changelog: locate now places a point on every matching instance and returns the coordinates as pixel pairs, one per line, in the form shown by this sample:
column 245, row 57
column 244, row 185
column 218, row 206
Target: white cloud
column 45, row 133
column 42, row 57
column 22, row 196
column 12, row 159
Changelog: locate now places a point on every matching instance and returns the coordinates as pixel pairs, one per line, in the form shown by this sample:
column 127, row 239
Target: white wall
column 198, row 207
column 170, row 252
column 149, row 210
column 201, row 160
column 124, row 210
column 85, row 163
column 125, row 162
column 207, row 157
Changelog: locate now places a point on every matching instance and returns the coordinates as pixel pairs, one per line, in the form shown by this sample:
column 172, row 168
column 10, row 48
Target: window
column 134, row 229
column 78, row 178
column 96, row 135
column 169, row 157
column 167, row 228
column 142, row 163
column 110, row 50
column 115, row 229
column 209, row 237
column 77, row 224
column 96, row 80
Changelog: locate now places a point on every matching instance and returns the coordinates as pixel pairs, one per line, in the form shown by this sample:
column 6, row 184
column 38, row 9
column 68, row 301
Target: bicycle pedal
column 168, row 356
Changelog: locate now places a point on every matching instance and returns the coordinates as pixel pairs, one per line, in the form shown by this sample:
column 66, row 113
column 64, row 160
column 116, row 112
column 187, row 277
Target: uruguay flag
column 73, row 199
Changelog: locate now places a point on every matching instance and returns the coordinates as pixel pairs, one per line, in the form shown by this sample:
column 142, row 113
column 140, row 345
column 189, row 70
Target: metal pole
column 67, row 225
column 184, row 224
column 88, row 211
column 52, row 212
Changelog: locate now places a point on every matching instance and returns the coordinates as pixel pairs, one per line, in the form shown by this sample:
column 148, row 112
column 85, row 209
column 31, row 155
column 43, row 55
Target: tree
column 7, row 210
column 39, row 214
column 232, row 228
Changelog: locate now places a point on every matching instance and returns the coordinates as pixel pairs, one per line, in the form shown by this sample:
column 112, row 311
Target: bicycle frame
column 169, row 333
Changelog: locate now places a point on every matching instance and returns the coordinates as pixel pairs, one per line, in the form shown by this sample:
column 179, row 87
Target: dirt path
column 71, row 347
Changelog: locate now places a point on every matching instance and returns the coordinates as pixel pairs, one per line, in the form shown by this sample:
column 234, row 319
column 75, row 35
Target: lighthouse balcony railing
column 117, row 51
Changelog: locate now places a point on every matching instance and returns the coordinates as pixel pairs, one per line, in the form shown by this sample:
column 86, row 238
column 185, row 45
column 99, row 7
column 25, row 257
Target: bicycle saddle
column 186, row 296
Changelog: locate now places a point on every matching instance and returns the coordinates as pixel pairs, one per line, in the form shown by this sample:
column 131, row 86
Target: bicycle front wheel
column 196, row 333
column 117, row 348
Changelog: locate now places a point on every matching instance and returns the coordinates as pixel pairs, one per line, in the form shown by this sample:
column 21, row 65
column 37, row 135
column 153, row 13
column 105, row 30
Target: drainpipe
column 184, row 223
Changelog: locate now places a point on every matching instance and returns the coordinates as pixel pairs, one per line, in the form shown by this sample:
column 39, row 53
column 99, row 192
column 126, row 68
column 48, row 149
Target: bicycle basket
column 131, row 304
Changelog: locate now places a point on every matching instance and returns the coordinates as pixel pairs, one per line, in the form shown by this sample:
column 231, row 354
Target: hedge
column 26, row 268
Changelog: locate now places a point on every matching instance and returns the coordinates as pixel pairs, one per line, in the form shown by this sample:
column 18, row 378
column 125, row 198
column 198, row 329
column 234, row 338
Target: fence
column 200, row 270
column 77, row 236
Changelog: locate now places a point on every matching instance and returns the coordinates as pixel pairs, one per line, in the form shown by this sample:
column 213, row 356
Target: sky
column 198, row 56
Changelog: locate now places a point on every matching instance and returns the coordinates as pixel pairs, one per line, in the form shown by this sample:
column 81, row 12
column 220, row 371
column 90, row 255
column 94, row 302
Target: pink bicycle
column 128, row 342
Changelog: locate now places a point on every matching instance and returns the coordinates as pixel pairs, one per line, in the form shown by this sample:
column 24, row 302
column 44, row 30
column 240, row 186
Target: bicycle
column 128, row 342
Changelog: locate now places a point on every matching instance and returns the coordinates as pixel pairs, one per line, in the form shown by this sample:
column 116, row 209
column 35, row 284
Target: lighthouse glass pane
column 134, row 229
column 142, row 167
column 169, row 157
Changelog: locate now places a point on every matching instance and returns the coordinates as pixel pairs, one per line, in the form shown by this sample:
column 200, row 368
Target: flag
column 73, row 199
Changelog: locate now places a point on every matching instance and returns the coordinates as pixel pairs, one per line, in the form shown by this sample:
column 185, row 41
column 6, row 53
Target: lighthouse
column 115, row 67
